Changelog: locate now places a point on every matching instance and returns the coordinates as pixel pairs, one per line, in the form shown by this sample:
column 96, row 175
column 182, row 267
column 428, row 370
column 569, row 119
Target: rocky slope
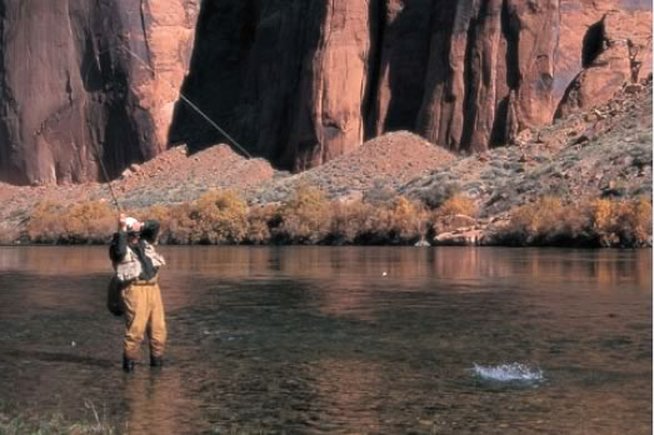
column 297, row 82
column 384, row 163
column 605, row 152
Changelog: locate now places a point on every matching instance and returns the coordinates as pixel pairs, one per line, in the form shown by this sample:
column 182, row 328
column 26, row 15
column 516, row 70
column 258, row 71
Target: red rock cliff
column 301, row 82
column 70, row 92
column 297, row 81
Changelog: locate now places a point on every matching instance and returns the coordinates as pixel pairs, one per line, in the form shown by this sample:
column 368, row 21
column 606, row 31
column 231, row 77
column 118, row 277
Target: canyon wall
column 296, row 81
column 83, row 81
column 301, row 82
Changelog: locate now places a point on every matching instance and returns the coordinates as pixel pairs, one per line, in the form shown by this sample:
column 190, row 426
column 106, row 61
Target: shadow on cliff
column 246, row 71
column 399, row 59
column 501, row 130
column 592, row 46
column 216, row 74
column 438, row 72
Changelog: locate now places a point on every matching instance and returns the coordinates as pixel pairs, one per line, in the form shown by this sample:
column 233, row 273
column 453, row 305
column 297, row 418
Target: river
column 339, row 340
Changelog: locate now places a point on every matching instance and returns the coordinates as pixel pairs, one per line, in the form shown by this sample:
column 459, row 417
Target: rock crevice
column 297, row 82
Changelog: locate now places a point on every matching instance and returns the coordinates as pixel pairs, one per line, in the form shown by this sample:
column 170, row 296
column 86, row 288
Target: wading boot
column 156, row 361
column 128, row 365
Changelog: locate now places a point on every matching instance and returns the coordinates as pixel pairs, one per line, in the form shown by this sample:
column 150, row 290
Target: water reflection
column 156, row 403
column 605, row 267
column 356, row 340
column 354, row 400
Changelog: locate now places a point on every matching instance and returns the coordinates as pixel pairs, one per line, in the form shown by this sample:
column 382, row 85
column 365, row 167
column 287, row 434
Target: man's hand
column 122, row 222
column 129, row 224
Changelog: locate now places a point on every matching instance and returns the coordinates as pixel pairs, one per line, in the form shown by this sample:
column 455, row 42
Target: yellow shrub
column 350, row 220
column 180, row 224
column 627, row 222
column 602, row 222
column 407, row 219
column 540, row 217
column 260, row 219
column 458, row 204
column 164, row 215
column 45, row 223
column 82, row 222
column 640, row 219
column 305, row 218
column 602, row 215
column 216, row 217
column 89, row 221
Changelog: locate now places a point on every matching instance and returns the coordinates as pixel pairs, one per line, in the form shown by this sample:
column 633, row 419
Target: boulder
column 617, row 49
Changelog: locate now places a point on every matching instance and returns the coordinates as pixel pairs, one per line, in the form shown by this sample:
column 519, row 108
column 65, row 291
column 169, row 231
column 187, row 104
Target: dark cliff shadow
column 123, row 131
column 407, row 63
column 377, row 11
column 511, row 34
column 592, row 47
column 250, row 74
column 442, row 25
column 223, row 38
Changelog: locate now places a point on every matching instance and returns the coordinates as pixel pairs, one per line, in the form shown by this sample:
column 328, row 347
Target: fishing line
column 98, row 158
column 192, row 105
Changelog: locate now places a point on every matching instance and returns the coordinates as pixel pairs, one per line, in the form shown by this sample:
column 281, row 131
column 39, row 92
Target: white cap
column 130, row 222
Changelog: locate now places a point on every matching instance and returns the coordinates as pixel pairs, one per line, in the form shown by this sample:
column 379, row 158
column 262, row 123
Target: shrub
column 217, row 217
column 540, row 217
column 45, row 224
column 84, row 222
column 407, row 220
column 261, row 220
column 548, row 221
column 400, row 222
column 640, row 220
column 89, row 221
column 458, row 204
column 305, row 218
column 600, row 222
column 164, row 215
column 350, row 221
column 626, row 223
column 379, row 194
column 435, row 195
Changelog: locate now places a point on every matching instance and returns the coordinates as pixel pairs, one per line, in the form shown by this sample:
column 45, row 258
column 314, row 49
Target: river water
column 339, row 340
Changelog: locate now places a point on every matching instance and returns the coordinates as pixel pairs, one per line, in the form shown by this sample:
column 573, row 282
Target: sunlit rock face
column 302, row 82
column 296, row 81
column 616, row 47
column 72, row 93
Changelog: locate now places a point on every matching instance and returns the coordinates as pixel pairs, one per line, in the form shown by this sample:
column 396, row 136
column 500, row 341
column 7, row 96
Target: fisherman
column 137, row 265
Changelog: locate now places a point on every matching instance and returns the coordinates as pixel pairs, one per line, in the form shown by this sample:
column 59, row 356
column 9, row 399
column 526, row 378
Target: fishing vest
column 130, row 267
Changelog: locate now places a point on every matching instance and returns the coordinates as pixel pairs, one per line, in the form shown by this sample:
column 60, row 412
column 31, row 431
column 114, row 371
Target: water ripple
column 512, row 372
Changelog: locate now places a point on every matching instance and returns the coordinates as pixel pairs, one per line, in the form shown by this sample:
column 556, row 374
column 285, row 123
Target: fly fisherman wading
column 137, row 264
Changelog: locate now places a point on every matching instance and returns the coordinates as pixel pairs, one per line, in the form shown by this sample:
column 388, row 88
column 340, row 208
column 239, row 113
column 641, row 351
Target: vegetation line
column 308, row 217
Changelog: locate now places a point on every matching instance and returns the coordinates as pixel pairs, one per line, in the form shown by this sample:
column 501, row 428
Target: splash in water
column 513, row 372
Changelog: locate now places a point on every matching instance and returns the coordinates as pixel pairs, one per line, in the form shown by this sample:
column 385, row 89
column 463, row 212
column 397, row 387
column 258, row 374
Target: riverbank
column 584, row 181
column 308, row 217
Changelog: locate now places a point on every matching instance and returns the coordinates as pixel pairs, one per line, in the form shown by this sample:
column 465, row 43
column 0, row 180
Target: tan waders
column 144, row 313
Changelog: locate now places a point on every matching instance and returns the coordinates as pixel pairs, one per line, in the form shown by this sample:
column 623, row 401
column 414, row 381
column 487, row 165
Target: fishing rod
column 106, row 177
column 192, row 105
column 183, row 98
column 97, row 156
